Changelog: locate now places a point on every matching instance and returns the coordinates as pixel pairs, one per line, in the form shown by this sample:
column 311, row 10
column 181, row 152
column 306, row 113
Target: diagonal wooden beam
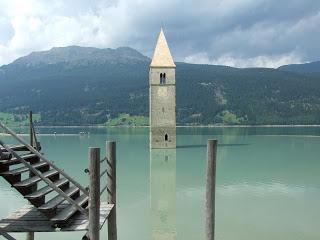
column 6, row 235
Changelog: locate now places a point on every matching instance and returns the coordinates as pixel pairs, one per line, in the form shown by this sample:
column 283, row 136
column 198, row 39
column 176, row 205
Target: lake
column 268, row 182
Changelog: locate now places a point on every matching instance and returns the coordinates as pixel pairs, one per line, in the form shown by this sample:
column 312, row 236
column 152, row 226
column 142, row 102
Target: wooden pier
column 74, row 207
column 29, row 219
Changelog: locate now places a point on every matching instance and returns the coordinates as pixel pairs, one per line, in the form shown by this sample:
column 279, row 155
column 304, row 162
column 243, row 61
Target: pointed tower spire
column 162, row 56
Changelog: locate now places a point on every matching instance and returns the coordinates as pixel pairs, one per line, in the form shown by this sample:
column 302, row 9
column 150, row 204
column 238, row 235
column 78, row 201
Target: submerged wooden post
column 210, row 188
column 94, row 194
column 112, row 187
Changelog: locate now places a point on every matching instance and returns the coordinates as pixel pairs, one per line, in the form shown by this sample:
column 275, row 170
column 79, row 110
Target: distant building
column 162, row 95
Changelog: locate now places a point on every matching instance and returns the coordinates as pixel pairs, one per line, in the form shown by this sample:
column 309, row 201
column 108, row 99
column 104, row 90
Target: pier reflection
column 163, row 193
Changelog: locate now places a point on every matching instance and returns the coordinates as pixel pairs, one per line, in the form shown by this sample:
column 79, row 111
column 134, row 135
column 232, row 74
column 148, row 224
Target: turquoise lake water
column 268, row 182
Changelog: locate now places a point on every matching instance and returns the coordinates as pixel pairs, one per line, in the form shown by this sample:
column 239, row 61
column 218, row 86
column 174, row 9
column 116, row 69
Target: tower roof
column 162, row 56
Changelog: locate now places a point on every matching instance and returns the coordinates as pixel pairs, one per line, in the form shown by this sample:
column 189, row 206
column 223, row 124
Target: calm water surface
column 268, row 182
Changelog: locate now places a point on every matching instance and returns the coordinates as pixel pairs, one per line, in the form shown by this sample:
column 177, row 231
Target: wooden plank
column 54, row 202
column 29, row 219
column 66, row 213
column 30, row 181
column 21, row 170
column 16, row 148
column 28, row 214
column 27, row 157
column 45, row 190
column 5, row 156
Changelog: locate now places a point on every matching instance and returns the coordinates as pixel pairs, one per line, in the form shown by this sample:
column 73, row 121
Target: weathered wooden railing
column 96, row 172
column 33, row 135
column 38, row 173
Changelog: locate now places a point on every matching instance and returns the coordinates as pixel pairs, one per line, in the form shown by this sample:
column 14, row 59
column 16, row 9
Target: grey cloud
column 243, row 29
column 217, row 31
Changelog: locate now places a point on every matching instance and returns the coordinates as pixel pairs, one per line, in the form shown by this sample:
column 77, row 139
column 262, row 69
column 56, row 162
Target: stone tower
column 162, row 95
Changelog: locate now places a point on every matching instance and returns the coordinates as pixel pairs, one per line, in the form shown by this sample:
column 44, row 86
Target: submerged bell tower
column 162, row 93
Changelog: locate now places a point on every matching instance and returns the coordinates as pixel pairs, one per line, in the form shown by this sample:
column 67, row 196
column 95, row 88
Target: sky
column 239, row 33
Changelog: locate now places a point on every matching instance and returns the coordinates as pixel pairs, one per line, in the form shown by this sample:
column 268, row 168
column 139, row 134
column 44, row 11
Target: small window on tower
column 166, row 137
column 161, row 78
column 164, row 78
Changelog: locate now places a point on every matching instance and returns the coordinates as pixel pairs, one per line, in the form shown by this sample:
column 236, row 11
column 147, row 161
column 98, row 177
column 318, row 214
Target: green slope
column 98, row 89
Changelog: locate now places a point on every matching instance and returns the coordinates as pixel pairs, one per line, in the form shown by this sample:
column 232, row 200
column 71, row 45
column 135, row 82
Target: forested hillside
column 306, row 68
column 81, row 86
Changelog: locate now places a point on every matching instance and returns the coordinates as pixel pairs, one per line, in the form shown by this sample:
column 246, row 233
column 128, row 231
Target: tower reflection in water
column 163, row 193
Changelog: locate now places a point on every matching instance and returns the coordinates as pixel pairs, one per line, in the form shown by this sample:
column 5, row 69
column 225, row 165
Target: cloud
column 6, row 31
column 232, row 61
column 264, row 33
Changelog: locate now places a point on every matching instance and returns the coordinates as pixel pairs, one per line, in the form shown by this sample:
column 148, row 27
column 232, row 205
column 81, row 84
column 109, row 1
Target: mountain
column 306, row 68
column 81, row 56
column 80, row 86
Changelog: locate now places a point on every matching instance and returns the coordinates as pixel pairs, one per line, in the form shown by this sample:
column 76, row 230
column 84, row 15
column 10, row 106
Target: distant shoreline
column 183, row 126
column 132, row 127
column 45, row 134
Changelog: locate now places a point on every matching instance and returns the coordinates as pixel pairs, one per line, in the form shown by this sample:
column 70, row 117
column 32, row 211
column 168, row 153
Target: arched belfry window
column 162, row 78
column 166, row 137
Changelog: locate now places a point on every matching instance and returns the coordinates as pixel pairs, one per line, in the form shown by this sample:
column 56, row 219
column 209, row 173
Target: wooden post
column 30, row 235
column 112, row 187
column 30, row 128
column 94, row 194
column 210, row 188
